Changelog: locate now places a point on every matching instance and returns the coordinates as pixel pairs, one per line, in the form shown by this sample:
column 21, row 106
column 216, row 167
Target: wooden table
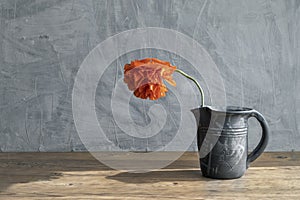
column 80, row 176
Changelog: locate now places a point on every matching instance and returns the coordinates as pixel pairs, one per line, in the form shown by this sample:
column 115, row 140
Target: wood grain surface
column 80, row 176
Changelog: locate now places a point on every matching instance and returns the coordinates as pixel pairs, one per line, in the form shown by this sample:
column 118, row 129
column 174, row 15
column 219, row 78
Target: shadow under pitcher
column 222, row 139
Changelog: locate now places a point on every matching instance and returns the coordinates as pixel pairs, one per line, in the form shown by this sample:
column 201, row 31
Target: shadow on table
column 8, row 180
column 160, row 176
column 18, row 168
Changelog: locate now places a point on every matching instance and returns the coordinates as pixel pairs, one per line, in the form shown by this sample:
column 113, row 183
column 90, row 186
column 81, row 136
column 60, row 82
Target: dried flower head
column 145, row 77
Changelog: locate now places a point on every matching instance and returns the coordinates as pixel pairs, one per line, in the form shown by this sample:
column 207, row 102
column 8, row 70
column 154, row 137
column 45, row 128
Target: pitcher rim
column 229, row 109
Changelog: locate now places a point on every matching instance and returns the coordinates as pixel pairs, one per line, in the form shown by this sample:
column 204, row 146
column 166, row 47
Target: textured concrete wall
column 255, row 44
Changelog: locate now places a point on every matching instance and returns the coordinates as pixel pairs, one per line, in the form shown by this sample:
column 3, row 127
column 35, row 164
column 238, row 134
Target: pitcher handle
column 264, row 138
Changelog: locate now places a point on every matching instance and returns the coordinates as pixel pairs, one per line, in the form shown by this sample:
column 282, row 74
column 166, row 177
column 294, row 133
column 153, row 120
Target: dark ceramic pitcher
column 223, row 140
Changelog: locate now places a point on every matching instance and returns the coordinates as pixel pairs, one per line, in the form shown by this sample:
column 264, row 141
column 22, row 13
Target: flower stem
column 196, row 82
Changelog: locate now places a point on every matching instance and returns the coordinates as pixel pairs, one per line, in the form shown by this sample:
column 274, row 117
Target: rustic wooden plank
column 79, row 176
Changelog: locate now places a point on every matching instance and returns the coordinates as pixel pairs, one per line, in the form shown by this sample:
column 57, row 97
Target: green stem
column 196, row 82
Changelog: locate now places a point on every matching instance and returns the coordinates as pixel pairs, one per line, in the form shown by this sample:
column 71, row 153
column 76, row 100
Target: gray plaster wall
column 254, row 43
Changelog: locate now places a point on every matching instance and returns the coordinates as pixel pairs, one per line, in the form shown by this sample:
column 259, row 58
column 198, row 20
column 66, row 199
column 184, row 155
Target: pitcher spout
column 196, row 112
column 202, row 115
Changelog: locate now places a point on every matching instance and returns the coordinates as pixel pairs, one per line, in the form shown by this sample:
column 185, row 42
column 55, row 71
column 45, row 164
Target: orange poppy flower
column 145, row 77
